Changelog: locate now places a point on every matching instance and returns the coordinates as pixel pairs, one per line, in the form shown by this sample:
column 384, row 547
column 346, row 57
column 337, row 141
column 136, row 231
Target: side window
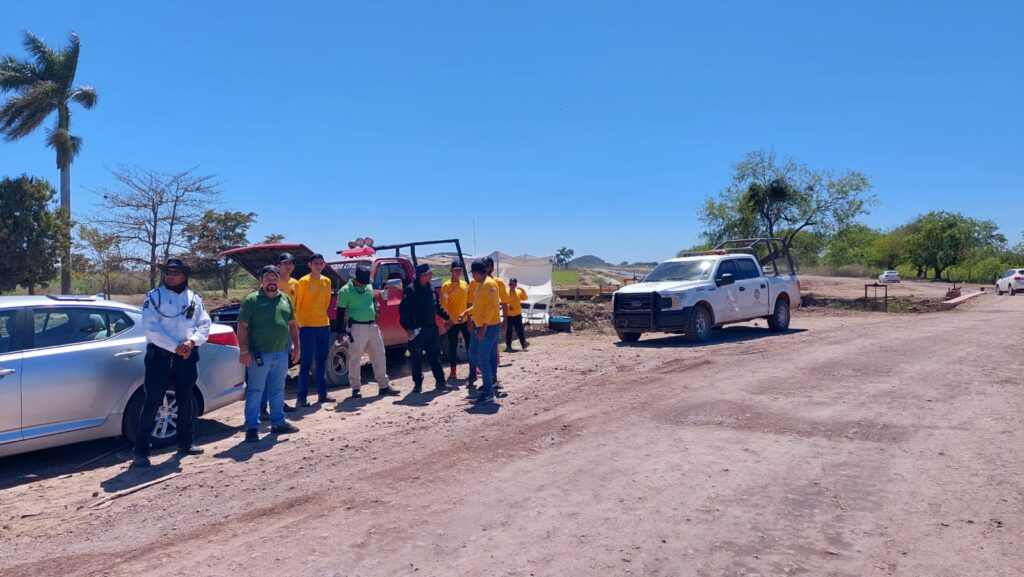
column 54, row 327
column 7, row 319
column 726, row 267
column 389, row 271
column 747, row 269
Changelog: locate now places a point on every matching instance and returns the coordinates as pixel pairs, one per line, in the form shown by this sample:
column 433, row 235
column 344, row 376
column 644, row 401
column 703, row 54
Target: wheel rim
column 784, row 316
column 166, row 424
column 703, row 326
column 339, row 362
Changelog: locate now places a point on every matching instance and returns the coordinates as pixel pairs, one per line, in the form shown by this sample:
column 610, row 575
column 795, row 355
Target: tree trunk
column 152, row 267
column 32, row 289
column 65, row 204
column 225, row 277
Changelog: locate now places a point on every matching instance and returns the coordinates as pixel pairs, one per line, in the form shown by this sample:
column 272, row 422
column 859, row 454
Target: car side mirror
column 725, row 280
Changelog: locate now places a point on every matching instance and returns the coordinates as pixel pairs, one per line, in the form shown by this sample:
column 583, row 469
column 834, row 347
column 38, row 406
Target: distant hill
column 587, row 261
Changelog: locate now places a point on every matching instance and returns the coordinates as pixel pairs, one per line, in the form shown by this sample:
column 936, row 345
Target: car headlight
column 672, row 302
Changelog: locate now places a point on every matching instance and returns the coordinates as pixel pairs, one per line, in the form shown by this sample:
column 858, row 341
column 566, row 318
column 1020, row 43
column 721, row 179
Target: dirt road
column 863, row 444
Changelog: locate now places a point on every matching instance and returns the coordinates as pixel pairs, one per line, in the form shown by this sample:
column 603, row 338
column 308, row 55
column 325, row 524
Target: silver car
column 71, row 370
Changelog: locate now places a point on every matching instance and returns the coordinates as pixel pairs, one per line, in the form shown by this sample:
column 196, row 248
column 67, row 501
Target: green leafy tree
column 889, row 250
column 273, row 238
column 563, row 256
column 851, row 245
column 780, row 198
column 31, row 233
column 941, row 239
column 213, row 234
column 41, row 85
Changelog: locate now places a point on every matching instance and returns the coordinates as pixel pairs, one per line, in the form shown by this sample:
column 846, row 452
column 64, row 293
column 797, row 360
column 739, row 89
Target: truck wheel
column 337, row 365
column 628, row 337
column 698, row 330
column 461, row 353
column 165, row 425
column 779, row 321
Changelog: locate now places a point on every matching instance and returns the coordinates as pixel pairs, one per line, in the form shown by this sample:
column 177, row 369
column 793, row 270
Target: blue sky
column 597, row 125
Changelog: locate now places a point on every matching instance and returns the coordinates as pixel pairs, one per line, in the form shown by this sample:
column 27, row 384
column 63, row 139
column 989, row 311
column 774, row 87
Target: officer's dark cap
column 478, row 266
column 285, row 257
column 362, row 274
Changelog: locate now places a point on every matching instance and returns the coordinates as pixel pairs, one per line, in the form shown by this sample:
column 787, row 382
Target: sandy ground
column 852, row 288
column 868, row 444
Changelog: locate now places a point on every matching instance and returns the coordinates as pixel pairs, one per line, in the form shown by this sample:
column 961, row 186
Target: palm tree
column 41, row 85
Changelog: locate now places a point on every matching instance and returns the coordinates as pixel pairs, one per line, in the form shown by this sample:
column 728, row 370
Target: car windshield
column 682, row 271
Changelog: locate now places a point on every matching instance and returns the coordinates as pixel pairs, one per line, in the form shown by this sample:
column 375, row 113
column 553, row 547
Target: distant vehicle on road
column 1011, row 282
column 71, row 370
column 889, row 276
column 738, row 281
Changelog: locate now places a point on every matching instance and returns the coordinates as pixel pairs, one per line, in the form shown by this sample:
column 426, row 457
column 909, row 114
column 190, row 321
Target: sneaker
column 288, row 409
column 509, row 350
column 140, row 462
column 326, row 399
column 416, row 388
column 303, row 404
column 284, row 429
column 441, row 387
column 498, row 386
column 190, row 450
column 252, row 436
column 484, row 400
column 356, row 394
column 389, row 392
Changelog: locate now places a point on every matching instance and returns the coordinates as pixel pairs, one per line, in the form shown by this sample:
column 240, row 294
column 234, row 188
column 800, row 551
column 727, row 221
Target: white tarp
column 534, row 276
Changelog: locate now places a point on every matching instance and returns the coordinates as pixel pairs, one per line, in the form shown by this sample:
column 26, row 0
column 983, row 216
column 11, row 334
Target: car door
column 80, row 362
column 727, row 302
column 10, row 377
column 389, row 300
column 751, row 289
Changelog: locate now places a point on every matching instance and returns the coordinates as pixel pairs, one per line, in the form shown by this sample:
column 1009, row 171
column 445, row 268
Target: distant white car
column 1011, row 282
column 889, row 276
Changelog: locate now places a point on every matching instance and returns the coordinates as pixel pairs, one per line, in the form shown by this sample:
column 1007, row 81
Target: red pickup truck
column 389, row 274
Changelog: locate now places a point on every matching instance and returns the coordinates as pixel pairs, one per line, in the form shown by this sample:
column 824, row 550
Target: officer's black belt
column 160, row 352
column 352, row 322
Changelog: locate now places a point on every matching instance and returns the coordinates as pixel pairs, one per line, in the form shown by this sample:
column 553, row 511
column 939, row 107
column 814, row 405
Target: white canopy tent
column 534, row 276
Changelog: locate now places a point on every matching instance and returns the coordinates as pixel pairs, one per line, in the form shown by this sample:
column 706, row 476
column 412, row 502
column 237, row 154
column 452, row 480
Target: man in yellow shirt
column 485, row 315
column 454, row 299
column 312, row 297
column 514, row 320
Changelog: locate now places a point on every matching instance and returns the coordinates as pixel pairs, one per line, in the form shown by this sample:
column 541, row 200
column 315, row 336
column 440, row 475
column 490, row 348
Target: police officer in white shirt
column 176, row 325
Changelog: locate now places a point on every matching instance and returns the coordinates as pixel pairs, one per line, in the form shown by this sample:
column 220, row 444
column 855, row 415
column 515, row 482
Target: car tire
column 778, row 322
column 1013, row 291
column 628, row 337
column 462, row 353
column 999, row 291
column 337, row 364
column 698, row 328
column 130, row 426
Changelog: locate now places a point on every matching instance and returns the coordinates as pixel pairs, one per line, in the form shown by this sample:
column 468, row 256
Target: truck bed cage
column 765, row 250
column 412, row 248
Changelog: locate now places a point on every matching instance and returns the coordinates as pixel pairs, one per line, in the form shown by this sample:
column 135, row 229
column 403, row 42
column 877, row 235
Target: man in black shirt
column 417, row 315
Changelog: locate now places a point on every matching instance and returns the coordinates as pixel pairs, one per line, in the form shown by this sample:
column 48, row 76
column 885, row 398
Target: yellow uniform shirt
column 454, row 297
column 312, row 297
column 502, row 290
column 515, row 302
column 486, row 309
column 291, row 288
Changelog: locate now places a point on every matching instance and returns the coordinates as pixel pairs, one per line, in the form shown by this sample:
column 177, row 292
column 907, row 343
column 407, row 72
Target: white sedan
column 1011, row 282
column 889, row 276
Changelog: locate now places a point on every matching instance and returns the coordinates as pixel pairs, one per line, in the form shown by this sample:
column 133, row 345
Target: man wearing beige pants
column 357, row 321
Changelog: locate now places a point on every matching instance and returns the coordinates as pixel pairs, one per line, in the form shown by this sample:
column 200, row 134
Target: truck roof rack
column 412, row 248
column 765, row 250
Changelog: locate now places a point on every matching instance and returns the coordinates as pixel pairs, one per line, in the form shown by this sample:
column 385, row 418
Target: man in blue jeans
column 266, row 320
column 486, row 328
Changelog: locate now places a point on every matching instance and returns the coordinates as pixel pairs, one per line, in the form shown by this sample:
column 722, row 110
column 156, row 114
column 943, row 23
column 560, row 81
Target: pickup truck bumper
column 656, row 320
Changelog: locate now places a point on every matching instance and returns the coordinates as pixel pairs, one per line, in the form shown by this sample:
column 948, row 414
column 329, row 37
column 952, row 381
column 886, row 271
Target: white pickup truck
column 738, row 281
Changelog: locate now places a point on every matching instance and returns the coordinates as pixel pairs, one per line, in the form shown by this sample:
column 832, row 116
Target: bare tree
column 149, row 209
column 104, row 251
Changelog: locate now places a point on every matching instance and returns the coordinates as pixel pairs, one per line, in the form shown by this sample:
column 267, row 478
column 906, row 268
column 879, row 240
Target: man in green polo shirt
column 357, row 314
column 265, row 321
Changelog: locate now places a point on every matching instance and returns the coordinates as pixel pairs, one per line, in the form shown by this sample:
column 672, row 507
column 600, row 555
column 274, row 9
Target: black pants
column 516, row 323
column 166, row 371
column 453, row 342
column 428, row 340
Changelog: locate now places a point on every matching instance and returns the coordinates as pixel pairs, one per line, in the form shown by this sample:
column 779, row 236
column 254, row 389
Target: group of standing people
column 285, row 321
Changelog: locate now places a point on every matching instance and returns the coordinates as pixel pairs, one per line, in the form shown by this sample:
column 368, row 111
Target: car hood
column 254, row 258
column 668, row 286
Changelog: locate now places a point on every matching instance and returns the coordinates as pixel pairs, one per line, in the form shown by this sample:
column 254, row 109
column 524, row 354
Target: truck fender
column 711, row 309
